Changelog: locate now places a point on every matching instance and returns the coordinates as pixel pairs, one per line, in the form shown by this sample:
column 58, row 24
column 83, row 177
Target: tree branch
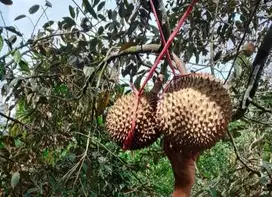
column 34, row 42
column 14, row 120
column 241, row 159
column 255, row 75
column 259, row 106
column 243, row 38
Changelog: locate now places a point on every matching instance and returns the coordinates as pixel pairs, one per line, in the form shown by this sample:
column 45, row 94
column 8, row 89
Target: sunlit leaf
column 88, row 70
column 15, row 179
column 20, row 17
column 17, row 56
column 33, row 9
column 12, row 39
column 24, row 66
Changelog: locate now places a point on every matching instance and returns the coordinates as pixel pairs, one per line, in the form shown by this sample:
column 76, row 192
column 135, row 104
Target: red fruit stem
column 129, row 138
column 162, row 37
column 168, row 43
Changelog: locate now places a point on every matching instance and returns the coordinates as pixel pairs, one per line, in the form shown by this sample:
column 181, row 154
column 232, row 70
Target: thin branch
column 255, row 75
column 4, row 22
column 243, row 38
column 111, row 56
column 241, row 159
column 14, row 120
column 161, row 17
column 260, row 107
column 212, row 39
column 164, row 29
column 44, row 10
column 33, row 42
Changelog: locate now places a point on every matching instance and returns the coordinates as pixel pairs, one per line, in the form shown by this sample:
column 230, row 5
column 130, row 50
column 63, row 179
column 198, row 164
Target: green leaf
column 15, row 179
column 12, row 39
column 48, row 24
column 103, row 18
column 32, row 190
column 72, row 11
column 18, row 142
column 24, row 66
column 88, row 70
column 95, row 3
column 89, row 8
column 100, row 30
column 2, row 145
column 13, row 30
column 1, row 43
column 33, row 9
column 101, row 5
column 69, row 22
column 6, row 2
column 17, row 56
column 48, row 4
column 132, row 27
column 20, row 17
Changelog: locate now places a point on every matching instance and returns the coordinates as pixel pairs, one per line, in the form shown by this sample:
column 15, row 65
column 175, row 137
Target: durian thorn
column 180, row 76
column 128, row 141
column 168, row 43
column 162, row 37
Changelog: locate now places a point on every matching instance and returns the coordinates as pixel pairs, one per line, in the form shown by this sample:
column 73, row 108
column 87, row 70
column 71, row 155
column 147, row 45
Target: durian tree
column 58, row 86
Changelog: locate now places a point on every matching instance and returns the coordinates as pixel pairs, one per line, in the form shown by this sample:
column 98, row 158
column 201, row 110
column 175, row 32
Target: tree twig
column 241, row 159
column 259, row 106
column 255, row 75
column 14, row 120
column 37, row 40
column 243, row 38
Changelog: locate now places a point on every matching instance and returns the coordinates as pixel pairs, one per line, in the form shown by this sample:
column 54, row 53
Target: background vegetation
column 60, row 82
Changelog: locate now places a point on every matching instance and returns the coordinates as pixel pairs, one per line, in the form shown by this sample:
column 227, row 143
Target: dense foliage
column 61, row 81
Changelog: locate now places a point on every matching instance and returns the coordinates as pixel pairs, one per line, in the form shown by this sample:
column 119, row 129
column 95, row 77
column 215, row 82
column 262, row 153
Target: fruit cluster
column 192, row 114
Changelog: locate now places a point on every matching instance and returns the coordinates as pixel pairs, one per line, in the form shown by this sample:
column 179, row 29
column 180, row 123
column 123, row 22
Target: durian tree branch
column 161, row 17
column 253, row 13
column 241, row 159
column 260, row 107
column 15, row 121
column 255, row 75
column 149, row 48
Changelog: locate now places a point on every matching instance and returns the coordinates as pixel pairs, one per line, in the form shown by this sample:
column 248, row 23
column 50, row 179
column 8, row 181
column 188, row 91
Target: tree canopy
column 58, row 84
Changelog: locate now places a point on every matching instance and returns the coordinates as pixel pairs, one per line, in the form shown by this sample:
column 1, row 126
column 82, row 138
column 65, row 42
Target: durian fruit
column 194, row 112
column 120, row 115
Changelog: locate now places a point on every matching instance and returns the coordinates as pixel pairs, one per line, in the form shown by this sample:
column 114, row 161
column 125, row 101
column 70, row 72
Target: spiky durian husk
column 120, row 115
column 194, row 112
